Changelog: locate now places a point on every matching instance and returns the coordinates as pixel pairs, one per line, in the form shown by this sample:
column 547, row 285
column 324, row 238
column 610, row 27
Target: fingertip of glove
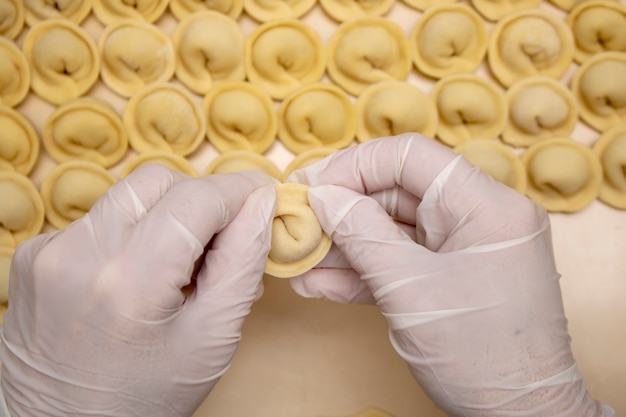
column 331, row 204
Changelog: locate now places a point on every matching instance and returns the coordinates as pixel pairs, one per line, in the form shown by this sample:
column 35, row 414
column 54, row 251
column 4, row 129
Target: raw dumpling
column 240, row 116
column 166, row 158
column 342, row 10
column 611, row 150
column 183, row 8
column 19, row 143
column 283, row 55
column 306, row 159
column 318, row 115
column 73, row 10
column 6, row 255
column 367, row 50
column 530, row 42
column 112, row 11
column 563, row 175
column 598, row 26
column 237, row 161
column 71, row 189
column 567, row 5
column 389, row 108
column 164, row 117
column 448, row 39
column 85, row 128
column 498, row 9
column 11, row 18
column 21, row 211
column 209, row 48
column 266, row 10
column 14, row 74
column 63, row 58
column 469, row 107
column 422, row 5
column 539, row 108
column 135, row 54
column 298, row 241
column 599, row 86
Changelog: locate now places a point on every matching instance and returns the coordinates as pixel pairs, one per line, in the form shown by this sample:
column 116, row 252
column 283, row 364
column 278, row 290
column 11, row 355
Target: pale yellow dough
column 164, row 117
column 610, row 148
column 85, row 128
column 165, row 158
column 63, row 58
column 448, row 39
column 6, row 255
column 469, row 107
column 389, row 108
column 238, row 161
column 14, row 74
column 530, row 42
column 342, row 10
column 11, row 18
column 563, row 175
column 183, row 8
column 319, row 115
column 73, row 10
column 539, row 108
column 599, row 86
column 598, row 26
column 282, row 55
column 567, row 5
column 267, row 10
column 497, row 160
column 135, row 54
column 209, row 47
column 368, row 50
column 71, row 189
column 240, row 116
column 19, row 143
column 497, row 9
column 298, row 241
column 21, row 211
column 112, row 11
column 422, row 5
column 306, row 159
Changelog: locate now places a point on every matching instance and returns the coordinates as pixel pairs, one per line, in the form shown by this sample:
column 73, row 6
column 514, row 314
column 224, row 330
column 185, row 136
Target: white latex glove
column 97, row 323
column 471, row 295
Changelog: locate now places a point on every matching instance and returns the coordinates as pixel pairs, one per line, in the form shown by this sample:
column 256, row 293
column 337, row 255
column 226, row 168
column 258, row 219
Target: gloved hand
column 97, row 322
column 470, row 292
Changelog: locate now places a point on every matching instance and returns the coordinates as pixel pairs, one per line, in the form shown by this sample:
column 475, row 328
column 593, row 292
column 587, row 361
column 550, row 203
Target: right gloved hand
column 471, row 294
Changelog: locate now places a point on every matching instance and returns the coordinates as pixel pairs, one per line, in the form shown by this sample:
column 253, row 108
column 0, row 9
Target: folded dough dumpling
column 164, row 117
column 73, row 10
column 135, row 54
column 11, row 18
column 306, row 159
column 598, row 26
column 240, row 116
column 266, row 10
column 71, row 189
column 567, row 5
column 563, row 175
column 14, row 74
column 112, row 11
column 183, row 8
column 599, row 86
column 389, row 108
column 209, row 48
column 19, row 143
column 610, row 148
column 6, row 255
column 171, row 160
column 283, row 55
column 63, row 58
column 497, row 9
column 530, row 42
column 422, row 5
column 469, row 107
column 238, row 161
column 319, row 115
column 497, row 160
column 539, row 108
column 448, row 39
column 85, row 128
column 342, row 10
column 21, row 211
column 298, row 241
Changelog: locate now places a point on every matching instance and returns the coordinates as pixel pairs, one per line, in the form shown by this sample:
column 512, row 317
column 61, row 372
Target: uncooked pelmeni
column 497, row 160
column 85, row 128
column 165, row 158
column 298, row 241
column 240, row 116
column 539, row 108
column 266, row 10
column 610, row 148
column 6, row 255
column 21, row 211
column 164, row 117
column 306, row 159
column 135, row 54
column 19, row 143
column 183, row 8
column 422, row 5
column 368, row 50
column 469, row 107
column 567, row 5
column 238, row 161
column 599, row 86
column 112, row 11
column 342, row 10
column 282, row 55
column 71, row 189
column 74, row 10
column 209, row 48
column 63, row 58
column 11, row 18
column 497, row 9
column 389, row 108
column 563, row 175
column 14, row 74
column 530, row 42
column 598, row 26
column 319, row 115
column 448, row 39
